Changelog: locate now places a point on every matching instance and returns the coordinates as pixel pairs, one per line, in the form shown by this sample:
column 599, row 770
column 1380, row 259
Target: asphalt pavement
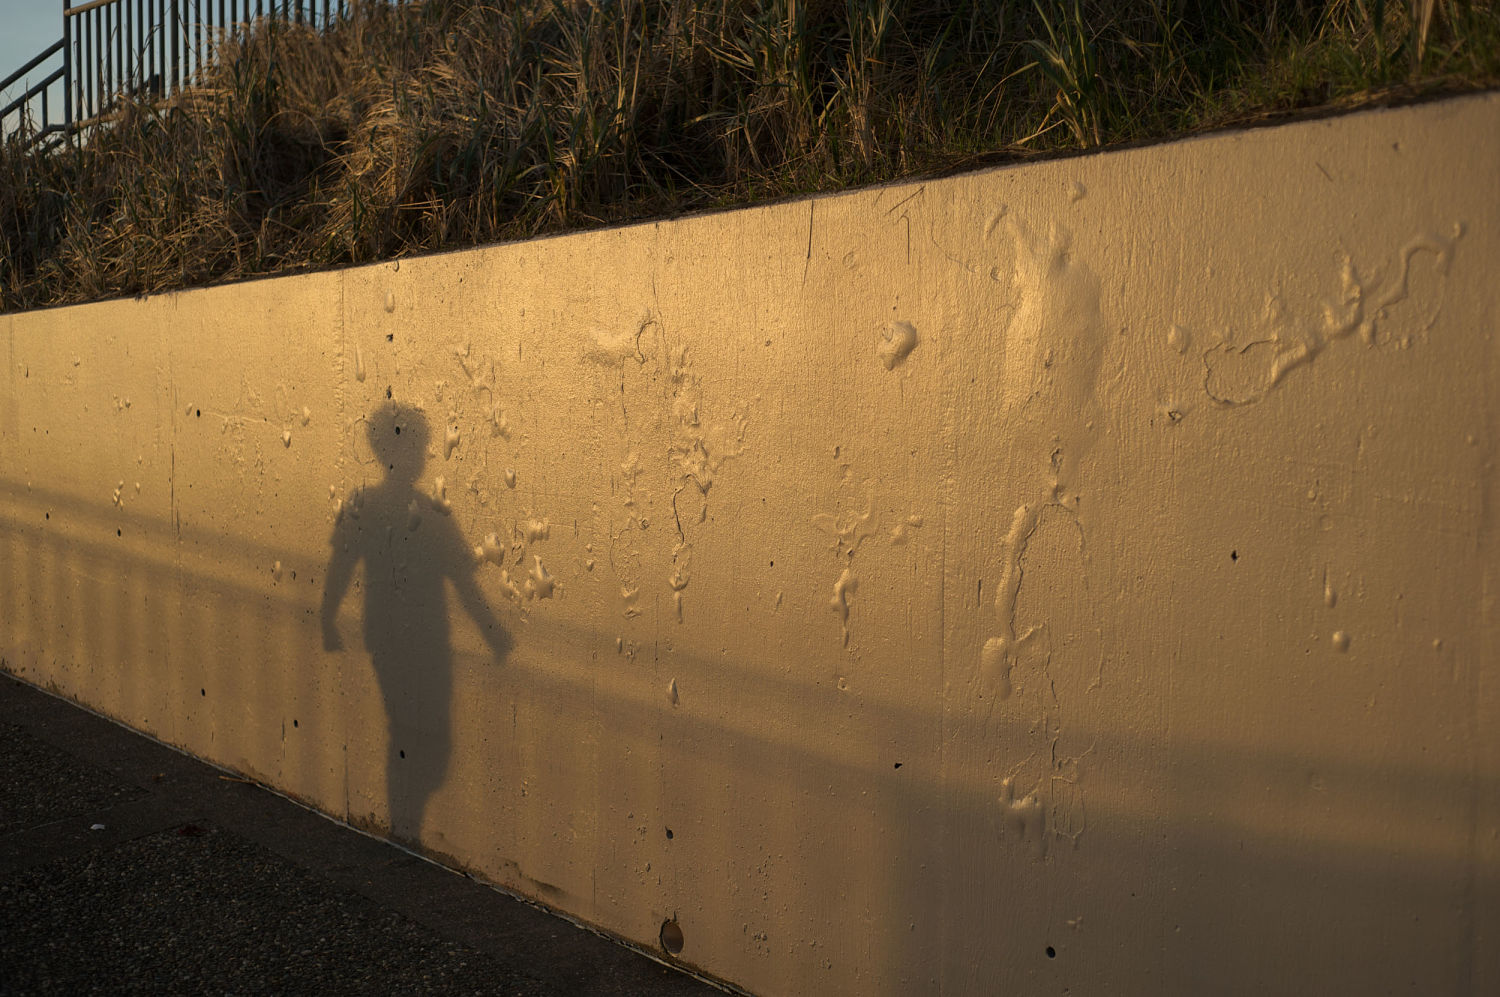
column 128, row 867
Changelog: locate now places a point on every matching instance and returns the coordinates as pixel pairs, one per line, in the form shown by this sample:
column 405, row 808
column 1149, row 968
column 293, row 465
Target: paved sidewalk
column 128, row 867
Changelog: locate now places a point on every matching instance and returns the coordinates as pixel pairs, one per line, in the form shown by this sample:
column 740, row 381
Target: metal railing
column 39, row 90
column 140, row 48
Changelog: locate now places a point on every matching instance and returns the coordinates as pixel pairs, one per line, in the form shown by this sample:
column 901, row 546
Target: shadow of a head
column 398, row 437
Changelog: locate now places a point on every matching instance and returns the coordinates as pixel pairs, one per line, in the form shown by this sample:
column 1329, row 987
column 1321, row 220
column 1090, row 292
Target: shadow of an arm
column 489, row 624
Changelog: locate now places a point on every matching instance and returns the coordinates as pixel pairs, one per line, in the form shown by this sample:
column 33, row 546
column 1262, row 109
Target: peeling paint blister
column 848, row 531
column 659, row 390
column 1245, row 373
column 1055, row 345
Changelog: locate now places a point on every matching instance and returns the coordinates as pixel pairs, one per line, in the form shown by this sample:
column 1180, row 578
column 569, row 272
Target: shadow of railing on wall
column 202, row 649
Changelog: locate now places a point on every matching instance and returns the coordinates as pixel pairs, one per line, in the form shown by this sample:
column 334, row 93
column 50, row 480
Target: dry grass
column 450, row 123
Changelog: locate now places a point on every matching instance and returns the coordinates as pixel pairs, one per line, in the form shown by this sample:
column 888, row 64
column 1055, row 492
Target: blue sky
column 26, row 27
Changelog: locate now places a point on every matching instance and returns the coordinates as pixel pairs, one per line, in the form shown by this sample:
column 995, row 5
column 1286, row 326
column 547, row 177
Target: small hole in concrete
column 898, row 765
column 403, row 754
column 398, row 430
column 388, row 391
column 1234, row 555
column 117, row 533
column 49, row 515
column 1051, row 952
column 203, row 692
column 669, row 834
column 671, row 936
column 198, row 413
column 390, row 337
column 294, row 723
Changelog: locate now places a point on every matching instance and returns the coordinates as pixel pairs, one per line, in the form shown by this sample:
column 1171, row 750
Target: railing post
column 195, row 57
column 107, row 76
column 81, row 76
column 174, row 31
column 148, row 46
column 101, row 58
column 163, row 41
column 67, row 69
column 118, row 69
column 91, row 59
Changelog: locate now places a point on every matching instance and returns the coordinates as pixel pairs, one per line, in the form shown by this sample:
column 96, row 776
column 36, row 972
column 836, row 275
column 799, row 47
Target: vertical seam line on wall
column 165, row 329
column 1478, row 768
column 945, row 487
column 340, row 397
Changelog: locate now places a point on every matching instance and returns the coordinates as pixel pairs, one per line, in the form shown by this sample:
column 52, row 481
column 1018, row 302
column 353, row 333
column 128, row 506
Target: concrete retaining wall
column 1079, row 575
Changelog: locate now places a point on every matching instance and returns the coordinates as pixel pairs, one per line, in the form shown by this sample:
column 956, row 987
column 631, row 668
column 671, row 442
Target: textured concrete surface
column 126, row 867
column 1076, row 576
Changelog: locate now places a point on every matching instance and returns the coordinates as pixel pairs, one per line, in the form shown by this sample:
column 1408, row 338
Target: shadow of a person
column 408, row 549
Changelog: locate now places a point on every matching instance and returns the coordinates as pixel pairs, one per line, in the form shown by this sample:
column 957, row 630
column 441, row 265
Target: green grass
column 451, row 123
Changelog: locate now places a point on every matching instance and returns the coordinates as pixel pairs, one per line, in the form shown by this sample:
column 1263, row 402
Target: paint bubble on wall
column 897, row 341
column 849, row 531
column 902, row 532
column 1024, row 818
column 997, row 655
column 1178, row 339
column 490, row 549
column 539, row 584
column 843, row 588
column 439, row 496
column 604, row 348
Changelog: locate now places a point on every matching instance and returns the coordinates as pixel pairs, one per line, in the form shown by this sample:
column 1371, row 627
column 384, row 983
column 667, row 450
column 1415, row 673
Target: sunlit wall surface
column 1076, row 575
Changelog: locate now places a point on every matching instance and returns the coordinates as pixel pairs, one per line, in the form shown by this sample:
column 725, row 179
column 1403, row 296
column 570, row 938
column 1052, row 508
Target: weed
column 439, row 124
